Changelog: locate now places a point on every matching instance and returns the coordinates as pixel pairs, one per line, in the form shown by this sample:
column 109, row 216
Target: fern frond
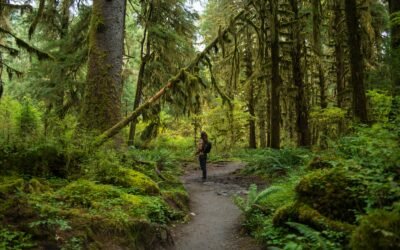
column 251, row 197
column 263, row 194
column 310, row 234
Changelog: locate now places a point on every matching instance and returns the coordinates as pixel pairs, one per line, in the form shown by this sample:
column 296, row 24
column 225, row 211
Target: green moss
column 128, row 178
column 330, row 192
column 177, row 199
column 319, row 163
column 378, row 230
column 304, row 214
column 86, row 193
column 36, row 186
column 10, row 185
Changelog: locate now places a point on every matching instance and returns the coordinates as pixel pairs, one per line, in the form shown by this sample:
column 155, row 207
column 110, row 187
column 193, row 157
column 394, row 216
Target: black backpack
column 207, row 147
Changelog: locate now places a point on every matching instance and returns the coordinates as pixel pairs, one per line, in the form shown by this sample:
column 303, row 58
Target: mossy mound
column 330, row 192
column 319, row 162
column 300, row 212
column 378, row 230
column 134, row 180
column 84, row 193
column 10, row 185
column 177, row 199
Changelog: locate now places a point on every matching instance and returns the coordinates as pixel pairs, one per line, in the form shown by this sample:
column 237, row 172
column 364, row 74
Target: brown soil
column 215, row 220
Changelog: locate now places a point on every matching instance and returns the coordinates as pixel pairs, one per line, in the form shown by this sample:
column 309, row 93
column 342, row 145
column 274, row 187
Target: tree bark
column 356, row 61
column 248, row 58
column 394, row 6
column 102, row 101
column 339, row 29
column 303, row 130
column 317, row 23
column 275, row 77
column 140, row 82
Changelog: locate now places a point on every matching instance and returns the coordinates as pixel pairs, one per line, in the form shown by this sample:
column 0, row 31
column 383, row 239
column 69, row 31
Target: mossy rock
column 330, row 192
column 132, row 179
column 319, row 162
column 378, row 230
column 300, row 212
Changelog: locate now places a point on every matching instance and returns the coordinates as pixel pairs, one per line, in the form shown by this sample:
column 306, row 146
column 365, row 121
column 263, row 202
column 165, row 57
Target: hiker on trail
column 203, row 148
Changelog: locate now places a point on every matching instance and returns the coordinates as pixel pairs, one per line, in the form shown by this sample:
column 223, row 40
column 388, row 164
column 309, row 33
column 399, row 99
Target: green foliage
column 106, row 168
column 15, row 240
column 27, row 120
column 314, row 236
column 376, row 150
column 379, row 229
column 329, row 192
column 253, row 198
column 271, row 162
column 380, row 106
column 58, row 223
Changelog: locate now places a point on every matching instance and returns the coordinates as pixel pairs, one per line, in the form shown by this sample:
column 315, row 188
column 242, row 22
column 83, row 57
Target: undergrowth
column 300, row 208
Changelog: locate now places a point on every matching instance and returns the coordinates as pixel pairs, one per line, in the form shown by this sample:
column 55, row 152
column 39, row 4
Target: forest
column 102, row 103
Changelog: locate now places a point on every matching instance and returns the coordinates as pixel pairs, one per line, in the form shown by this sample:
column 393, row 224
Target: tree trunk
column 102, row 101
column 317, row 23
column 394, row 6
column 248, row 58
column 339, row 57
column 303, row 131
column 275, row 77
column 140, row 82
column 356, row 62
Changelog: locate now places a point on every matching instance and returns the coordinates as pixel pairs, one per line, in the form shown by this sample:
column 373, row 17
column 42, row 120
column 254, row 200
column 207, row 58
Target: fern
column 254, row 197
column 311, row 234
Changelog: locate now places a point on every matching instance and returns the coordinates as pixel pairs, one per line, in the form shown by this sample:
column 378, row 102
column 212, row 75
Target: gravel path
column 215, row 219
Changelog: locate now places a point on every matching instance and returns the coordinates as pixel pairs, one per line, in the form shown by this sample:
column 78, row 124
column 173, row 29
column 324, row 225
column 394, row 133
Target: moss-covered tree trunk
column 356, row 61
column 317, row 23
column 394, row 6
column 102, row 101
column 248, row 58
column 303, row 130
column 339, row 29
column 275, row 77
column 139, row 84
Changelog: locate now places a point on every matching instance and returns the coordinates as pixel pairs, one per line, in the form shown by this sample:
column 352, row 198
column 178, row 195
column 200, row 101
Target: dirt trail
column 215, row 219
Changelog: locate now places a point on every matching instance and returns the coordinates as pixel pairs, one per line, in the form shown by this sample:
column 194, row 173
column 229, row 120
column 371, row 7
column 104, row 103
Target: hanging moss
column 330, row 192
column 378, row 230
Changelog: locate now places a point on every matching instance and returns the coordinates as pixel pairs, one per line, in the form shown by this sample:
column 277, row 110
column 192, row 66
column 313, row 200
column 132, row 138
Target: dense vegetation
column 101, row 103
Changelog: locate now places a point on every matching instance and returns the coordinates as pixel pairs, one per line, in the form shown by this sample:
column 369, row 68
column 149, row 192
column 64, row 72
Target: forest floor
column 215, row 219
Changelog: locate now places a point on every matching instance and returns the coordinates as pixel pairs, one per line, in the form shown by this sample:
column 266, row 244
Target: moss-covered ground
column 108, row 200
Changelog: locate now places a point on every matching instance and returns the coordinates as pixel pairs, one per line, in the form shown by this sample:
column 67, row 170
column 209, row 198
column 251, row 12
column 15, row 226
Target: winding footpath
column 215, row 219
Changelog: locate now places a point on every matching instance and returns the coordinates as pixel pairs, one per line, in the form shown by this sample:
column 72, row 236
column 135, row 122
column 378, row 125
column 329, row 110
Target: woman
column 202, row 153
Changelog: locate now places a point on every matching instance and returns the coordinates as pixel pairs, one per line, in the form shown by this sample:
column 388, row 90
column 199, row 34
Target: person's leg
column 202, row 160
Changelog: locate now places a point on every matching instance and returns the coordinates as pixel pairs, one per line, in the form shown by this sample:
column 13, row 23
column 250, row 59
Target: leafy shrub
column 15, row 240
column 271, row 162
column 329, row 191
column 253, row 198
column 378, row 230
column 27, row 120
column 380, row 105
